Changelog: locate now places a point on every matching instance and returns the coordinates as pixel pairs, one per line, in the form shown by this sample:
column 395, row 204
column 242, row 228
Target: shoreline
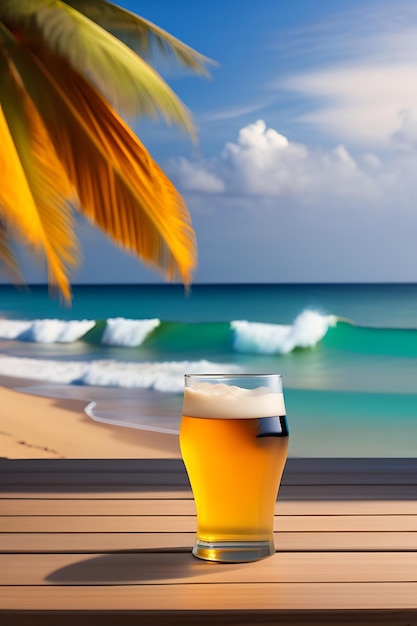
column 39, row 427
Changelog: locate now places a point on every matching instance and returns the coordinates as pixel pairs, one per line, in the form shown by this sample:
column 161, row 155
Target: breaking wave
column 307, row 330
column 123, row 332
column 161, row 376
column 242, row 336
column 186, row 341
column 45, row 331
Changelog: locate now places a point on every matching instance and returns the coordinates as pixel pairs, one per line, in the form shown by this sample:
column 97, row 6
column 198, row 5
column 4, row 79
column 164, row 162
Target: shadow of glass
column 130, row 568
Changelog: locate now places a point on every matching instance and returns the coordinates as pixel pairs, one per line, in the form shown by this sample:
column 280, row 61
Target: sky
column 306, row 164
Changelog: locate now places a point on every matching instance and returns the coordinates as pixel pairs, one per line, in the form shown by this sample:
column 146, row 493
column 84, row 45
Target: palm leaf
column 17, row 206
column 52, row 27
column 7, row 257
column 120, row 188
column 14, row 189
column 42, row 214
column 143, row 36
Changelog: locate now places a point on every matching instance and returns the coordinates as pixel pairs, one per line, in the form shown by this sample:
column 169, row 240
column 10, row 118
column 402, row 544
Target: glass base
column 233, row 551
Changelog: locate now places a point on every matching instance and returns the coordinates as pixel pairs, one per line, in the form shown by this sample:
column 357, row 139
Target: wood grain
column 109, row 542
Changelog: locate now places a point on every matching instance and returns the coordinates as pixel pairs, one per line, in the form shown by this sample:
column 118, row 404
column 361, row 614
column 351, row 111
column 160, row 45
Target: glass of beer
column 234, row 442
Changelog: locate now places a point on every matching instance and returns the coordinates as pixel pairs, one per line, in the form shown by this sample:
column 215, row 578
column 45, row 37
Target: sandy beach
column 38, row 427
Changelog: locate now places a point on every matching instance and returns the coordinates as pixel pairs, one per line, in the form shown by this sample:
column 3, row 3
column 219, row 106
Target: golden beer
column 234, row 461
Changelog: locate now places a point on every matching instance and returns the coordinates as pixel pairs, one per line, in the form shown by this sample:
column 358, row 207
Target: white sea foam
column 11, row 329
column 162, row 376
column 45, row 331
column 307, row 330
column 131, row 416
column 124, row 332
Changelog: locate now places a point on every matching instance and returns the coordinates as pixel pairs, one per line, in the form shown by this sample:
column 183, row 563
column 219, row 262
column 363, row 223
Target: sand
column 37, row 427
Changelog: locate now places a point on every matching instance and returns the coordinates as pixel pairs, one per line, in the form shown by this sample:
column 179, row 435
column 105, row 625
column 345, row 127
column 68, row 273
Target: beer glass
column 234, row 442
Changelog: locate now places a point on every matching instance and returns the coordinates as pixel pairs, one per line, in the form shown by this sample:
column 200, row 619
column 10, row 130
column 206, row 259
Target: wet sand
column 39, row 427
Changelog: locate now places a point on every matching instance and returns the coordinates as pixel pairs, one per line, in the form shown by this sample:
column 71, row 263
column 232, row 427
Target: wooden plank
column 112, row 480
column 216, row 596
column 343, row 507
column 110, row 523
column 187, row 523
column 94, row 542
column 115, row 472
column 186, row 506
column 308, row 493
column 350, row 465
column 91, row 466
column 334, row 555
column 345, row 541
column 86, row 493
column 303, row 466
column 236, row 617
column 347, row 523
column 348, row 492
column 164, row 569
column 382, row 477
column 65, row 507
column 183, row 542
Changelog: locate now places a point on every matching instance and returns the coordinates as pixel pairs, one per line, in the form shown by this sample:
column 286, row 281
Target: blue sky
column 306, row 164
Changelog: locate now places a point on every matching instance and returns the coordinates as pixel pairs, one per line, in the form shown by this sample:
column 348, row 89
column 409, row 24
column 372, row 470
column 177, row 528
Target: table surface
column 109, row 542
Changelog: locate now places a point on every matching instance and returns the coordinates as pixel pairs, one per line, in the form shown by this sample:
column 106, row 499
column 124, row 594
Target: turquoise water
column 347, row 353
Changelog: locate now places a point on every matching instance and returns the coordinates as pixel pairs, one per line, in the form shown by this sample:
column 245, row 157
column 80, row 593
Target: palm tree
column 64, row 72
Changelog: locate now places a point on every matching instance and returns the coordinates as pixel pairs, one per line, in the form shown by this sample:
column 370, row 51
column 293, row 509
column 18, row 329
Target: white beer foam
column 231, row 402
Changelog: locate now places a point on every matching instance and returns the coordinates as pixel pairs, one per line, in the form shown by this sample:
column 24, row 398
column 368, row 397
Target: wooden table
column 108, row 542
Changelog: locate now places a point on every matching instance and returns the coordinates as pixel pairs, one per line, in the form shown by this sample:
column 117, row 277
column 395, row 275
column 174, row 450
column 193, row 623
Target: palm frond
column 53, row 27
column 8, row 261
column 120, row 188
column 43, row 215
column 17, row 206
column 141, row 35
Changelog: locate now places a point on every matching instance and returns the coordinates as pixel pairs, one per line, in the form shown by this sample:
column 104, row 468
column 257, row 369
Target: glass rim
column 237, row 375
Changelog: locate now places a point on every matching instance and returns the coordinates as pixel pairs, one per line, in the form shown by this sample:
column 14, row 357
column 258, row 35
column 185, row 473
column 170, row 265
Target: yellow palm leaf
column 120, row 188
column 17, row 207
column 16, row 201
column 52, row 27
column 7, row 257
column 140, row 34
column 41, row 213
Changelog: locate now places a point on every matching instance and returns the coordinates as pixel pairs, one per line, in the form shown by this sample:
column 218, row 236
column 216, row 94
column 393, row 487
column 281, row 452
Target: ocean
column 347, row 354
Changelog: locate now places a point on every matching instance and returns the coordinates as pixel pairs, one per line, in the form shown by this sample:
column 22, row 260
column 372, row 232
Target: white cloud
column 359, row 104
column 230, row 113
column 406, row 134
column 263, row 162
column 379, row 33
column 194, row 176
column 362, row 73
